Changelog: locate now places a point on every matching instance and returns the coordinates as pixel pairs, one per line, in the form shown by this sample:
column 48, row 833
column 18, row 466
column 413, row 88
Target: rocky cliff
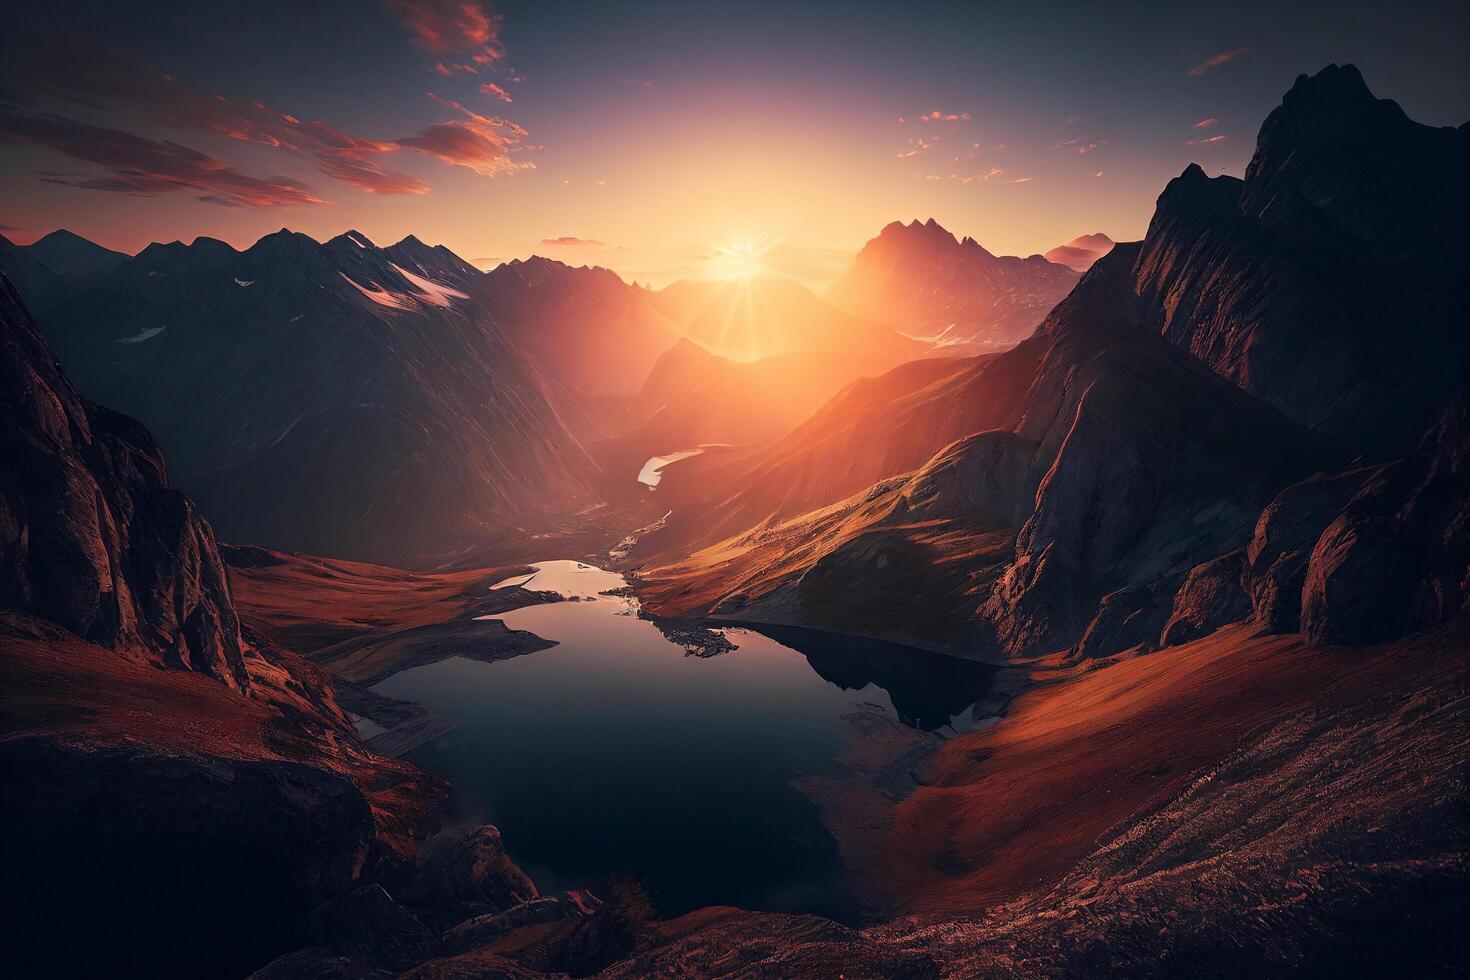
column 92, row 535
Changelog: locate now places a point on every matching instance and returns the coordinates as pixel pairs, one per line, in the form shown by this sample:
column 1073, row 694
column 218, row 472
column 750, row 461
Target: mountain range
column 332, row 397
column 1109, row 482
column 1210, row 520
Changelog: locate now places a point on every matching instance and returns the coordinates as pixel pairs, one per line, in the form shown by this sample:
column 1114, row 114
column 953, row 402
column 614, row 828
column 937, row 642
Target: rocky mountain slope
column 954, row 293
column 1108, row 460
column 1343, row 249
column 336, row 397
column 1101, row 487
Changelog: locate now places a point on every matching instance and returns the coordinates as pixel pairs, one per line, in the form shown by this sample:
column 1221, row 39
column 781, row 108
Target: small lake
column 653, row 470
column 615, row 751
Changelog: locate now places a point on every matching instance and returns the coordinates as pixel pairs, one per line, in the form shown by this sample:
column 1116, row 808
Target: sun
column 739, row 261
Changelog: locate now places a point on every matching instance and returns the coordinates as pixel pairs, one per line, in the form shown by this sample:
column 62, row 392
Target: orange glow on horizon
column 737, row 262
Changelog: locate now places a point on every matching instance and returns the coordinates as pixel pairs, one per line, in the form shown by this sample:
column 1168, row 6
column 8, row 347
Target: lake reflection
column 614, row 751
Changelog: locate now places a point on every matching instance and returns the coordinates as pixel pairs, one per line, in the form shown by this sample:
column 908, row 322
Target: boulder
column 1210, row 597
column 1286, row 533
column 468, row 873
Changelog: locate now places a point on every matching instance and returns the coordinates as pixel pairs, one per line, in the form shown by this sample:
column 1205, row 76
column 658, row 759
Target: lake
column 616, row 751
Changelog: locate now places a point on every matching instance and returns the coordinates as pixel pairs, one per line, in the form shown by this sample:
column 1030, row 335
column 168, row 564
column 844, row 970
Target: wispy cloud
column 937, row 116
column 464, row 35
column 1207, row 139
column 492, row 90
column 1098, row 174
column 1081, row 144
column 482, row 143
column 916, row 146
column 637, row 82
column 1215, row 62
column 570, row 241
column 1020, row 180
column 1206, row 123
column 95, row 78
column 145, row 167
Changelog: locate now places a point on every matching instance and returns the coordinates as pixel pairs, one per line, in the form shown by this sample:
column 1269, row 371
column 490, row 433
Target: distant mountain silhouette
column 920, row 279
column 1081, row 252
column 40, row 288
column 585, row 327
column 77, row 261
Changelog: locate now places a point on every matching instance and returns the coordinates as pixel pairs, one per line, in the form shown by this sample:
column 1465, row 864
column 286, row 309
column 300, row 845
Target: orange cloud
column 1216, row 61
column 463, row 34
column 145, row 167
column 570, row 241
column 481, row 143
column 937, row 116
column 1021, row 180
column 1207, row 139
column 495, row 91
column 97, row 78
column 916, row 146
column 1206, row 123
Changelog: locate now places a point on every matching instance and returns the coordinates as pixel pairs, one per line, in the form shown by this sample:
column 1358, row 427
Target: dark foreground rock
column 467, row 874
column 146, row 852
column 366, row 924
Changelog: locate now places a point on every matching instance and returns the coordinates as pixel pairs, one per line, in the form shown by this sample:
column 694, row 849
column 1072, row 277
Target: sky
column 659, row 139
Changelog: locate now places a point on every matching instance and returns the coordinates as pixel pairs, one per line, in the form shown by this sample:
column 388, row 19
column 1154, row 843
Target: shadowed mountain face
column 1332, row 281
column 585, row 328
column 39, row 286
column 1101, row 486
column 922, row 281
column 1081, row 252
column 337, row 397
column 91, row 534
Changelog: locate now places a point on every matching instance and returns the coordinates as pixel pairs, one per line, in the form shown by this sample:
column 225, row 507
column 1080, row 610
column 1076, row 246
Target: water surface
column 614, row 751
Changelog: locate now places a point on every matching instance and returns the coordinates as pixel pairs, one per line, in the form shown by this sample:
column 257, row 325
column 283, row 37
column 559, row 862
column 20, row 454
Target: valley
column 369, row 614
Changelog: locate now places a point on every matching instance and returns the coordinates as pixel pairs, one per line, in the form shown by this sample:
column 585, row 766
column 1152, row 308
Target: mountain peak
column 354, row 237
column 74, row 258
column 204, row 242
column 65, row 235
column 1332, row 150
column 1338, row 82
